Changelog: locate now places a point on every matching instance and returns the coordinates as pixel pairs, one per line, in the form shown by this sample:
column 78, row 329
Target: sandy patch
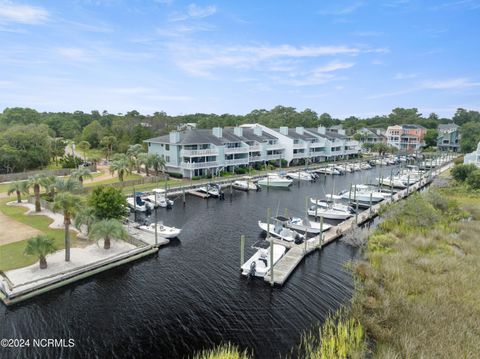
column 13, row 231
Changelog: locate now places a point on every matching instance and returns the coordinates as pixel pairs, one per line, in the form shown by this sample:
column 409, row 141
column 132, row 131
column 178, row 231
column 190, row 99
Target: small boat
column 212, row 190
column 275, row 180
column 138, row 204
column 303, row 226
column 159, row 198
column 334, row 205
column 280, row 231
column 363, row 195
column 301, row 176
column 259, row 264
column 245, row 185
column 328, row 213
column 162, row 231
column 392, row 182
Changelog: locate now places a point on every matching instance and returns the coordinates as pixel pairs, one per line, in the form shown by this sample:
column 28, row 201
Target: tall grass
column 224, row 351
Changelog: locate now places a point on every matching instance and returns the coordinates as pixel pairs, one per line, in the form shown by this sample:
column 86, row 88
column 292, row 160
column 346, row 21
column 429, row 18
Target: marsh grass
column 224, row 351
column 418, row 293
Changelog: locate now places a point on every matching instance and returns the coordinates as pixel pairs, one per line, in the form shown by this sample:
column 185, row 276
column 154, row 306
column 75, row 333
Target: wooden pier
column 287, row 264
column 198, row 194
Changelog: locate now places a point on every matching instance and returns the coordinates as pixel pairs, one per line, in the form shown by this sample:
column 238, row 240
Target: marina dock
column 297, row 252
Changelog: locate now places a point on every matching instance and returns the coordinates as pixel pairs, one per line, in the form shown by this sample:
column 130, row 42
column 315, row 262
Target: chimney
column 238, row 131
column 284, row 130
column 299, row 130
column 217, row 132
column 174, row 137
column 257, row 131
column 321, row 130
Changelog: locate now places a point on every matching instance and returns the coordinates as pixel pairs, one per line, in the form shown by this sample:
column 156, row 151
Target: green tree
column 142, row 159
column 431, row 138
column 80, row 174
column 35, row 182
column 84, row 146
column 133, row 154
column 122, row 165
column 108, row 202
column 19, row 187
column 463, row 116
column 85, row 218
column 473, row 179
column 470, row 133
column 40, row 246
column 93, row 133
column 71, row 184
column 69, row 205
column 156, row 162
column 108, row 229
column 461, row 172
column 108, row 143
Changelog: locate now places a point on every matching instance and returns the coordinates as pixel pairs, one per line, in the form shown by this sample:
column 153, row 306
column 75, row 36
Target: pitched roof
column 447, row 127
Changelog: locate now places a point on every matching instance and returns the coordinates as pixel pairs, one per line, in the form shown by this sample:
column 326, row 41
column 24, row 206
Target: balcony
column 274, row 147
column 238, row 161
column 194, row 153
column 255, row 158
column 273, row 157
column 298, row 145
column 196, row 165
column 300, row 155
column 236, row 149
column 255, row 148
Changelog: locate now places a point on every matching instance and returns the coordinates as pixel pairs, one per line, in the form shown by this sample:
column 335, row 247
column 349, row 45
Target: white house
column 473, row 157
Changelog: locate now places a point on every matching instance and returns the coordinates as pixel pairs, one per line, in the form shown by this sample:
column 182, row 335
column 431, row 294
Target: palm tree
column 85, row 218
column 19, row 187
column 70, row 184
column 36, row 182
column 40, row 246
column 121, row 165
column 48, row 182
column 84, row 146
column 133, row 153
column 157, row 162
column 69, row 204
column 107, row 229
column 142, row 159
column 80, row 174
column 108, row 142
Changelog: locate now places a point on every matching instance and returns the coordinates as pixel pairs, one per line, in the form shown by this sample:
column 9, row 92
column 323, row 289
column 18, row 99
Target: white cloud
column 348, row 9
column 334, row 66
column 75, row 54
column 458, row 83
column 23, row 14
column 196, row 11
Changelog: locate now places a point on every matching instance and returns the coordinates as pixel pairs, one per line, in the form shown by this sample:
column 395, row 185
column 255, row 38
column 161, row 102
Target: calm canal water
column 190, row 295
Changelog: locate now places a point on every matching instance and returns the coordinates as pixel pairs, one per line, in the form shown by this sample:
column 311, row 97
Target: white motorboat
column 159, row 198
column 392, row 182
column 138, row 204
column 328, row 213
column 363, row 195
column 212, row 190
column 275, row 180
column 334, row 205
column 301, row 176
column 259, row 264
column 297, row 223
column 162, row 231
column 245, row 184
column 278, row 230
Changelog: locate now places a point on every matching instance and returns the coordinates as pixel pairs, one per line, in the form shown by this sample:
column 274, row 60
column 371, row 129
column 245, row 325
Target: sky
column 346, row 58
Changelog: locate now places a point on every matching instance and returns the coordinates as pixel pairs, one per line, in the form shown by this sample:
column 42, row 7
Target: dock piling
column 242, row 250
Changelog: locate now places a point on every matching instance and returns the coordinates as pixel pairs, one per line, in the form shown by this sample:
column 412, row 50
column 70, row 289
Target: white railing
column 255, row 158
column 298, row 145
column 205, row 152
column 255, row 148
column 274, row 157
column 274, row 147
column 300, row 155
column 317, row 144
column 236, row 149
column 238, row 161
column 194, row 165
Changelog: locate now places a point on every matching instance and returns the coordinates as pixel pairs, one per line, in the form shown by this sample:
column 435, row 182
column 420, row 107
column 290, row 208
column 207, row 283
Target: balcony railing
column 238, row 161
column 298, row 145
column 195, row 165
column 193, row 153
column 236, row 149
column 255, row 148
column 275, row 147
column 255, row 158
column 300, row 155
column 274, row 157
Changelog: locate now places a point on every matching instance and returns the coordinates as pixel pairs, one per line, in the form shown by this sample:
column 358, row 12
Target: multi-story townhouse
column 371, row 135
column 473, row 157
column 197, row 152
column 448, row 137
column 406, row 137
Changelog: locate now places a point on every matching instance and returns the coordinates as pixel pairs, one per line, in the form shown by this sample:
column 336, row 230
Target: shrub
column 240, row 170
column 69, row 161
column 108, row 203
column 473, row 179
column 175, row 175
column 461, row 172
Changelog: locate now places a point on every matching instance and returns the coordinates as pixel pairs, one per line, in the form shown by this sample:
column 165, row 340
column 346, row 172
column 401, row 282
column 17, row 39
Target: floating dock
column 287, row 264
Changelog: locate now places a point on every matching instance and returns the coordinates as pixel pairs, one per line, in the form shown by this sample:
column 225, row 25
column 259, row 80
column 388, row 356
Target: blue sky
column 342, row 57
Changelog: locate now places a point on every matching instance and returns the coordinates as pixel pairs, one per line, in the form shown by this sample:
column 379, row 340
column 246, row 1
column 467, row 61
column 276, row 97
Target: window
column 167, row 159
column 167, row 147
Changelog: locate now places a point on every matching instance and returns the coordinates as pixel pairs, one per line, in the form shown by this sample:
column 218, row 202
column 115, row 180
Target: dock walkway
column 287, row 264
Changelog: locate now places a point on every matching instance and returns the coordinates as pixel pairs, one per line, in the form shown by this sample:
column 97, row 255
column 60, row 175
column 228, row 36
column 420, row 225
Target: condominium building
column 197, row 152
column 448, row 137
column 371, row 135
column 406, row 137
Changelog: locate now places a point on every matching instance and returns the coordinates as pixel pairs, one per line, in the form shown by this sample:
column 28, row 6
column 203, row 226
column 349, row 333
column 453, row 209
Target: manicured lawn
column 132, row 176
column 11, row 255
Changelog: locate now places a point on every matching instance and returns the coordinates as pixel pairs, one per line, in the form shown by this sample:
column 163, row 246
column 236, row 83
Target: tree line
column 30, row 139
